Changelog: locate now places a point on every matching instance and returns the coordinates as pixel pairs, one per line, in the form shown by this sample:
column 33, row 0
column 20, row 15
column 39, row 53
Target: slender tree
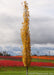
column 25, row 36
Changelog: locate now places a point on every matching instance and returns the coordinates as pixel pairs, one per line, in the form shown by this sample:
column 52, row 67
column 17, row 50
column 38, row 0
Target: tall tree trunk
column 26, row 70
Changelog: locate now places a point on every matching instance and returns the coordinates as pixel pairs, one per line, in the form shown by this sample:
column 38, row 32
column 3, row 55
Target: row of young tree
column 4, row 53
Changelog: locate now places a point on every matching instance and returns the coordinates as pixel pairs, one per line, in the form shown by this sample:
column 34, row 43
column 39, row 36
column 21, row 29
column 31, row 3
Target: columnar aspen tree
column 25, row 36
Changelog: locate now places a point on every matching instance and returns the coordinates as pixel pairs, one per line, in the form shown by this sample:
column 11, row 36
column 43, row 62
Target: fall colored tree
column 25, row 36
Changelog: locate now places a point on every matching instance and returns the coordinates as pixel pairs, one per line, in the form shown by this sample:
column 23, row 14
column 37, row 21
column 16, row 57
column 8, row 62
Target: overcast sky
column 41, row 21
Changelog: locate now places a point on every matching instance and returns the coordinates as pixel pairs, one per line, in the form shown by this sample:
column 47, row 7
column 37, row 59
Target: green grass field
column 42, row 60
column 22, row 71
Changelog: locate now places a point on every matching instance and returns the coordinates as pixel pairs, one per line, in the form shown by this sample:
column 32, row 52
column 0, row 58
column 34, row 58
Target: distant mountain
column 14, row 51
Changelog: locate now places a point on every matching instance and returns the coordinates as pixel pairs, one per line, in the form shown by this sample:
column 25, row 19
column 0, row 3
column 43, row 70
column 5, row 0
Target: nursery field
column 40, row 61
column 13, row 65
column 46, row 58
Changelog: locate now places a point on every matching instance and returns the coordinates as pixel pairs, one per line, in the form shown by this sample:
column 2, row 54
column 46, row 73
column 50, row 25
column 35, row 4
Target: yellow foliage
column 25, row 36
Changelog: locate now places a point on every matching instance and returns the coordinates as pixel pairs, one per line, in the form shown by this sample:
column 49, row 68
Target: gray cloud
column 42, row 30
column 41, row 23
column 9, row 29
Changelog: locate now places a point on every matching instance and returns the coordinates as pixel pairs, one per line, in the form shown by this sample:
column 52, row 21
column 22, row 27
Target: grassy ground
column 11, row 59
column 42, row 60
column 22, row 71
column 33, row 60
